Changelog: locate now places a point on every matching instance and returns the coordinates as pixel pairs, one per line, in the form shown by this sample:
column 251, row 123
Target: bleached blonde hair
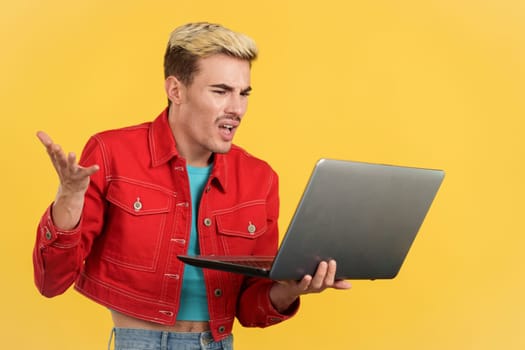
column 192, row 41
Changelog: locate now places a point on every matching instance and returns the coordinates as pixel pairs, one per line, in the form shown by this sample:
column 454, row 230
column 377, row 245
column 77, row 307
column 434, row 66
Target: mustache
column 229, row 117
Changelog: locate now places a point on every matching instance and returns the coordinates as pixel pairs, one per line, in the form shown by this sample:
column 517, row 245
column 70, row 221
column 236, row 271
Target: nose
column 236, row 105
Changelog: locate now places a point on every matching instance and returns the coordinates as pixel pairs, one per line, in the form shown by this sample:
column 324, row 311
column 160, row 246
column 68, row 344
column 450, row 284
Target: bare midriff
column 123, row 321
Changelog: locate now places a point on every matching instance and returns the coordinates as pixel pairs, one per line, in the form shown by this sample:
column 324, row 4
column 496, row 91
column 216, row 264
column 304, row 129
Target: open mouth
column 227, row 128
column 228, row 125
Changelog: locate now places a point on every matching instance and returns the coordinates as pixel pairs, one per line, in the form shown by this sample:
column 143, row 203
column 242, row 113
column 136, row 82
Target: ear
column 174, row 89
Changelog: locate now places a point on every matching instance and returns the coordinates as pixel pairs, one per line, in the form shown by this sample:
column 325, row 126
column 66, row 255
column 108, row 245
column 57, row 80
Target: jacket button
column 49, row 235
column 222, row 329
column 207, row 222
column 251, row 228
column 217, row 292
column 137, row 205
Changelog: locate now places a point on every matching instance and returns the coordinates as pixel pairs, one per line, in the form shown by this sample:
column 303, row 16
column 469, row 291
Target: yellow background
column 431, row 83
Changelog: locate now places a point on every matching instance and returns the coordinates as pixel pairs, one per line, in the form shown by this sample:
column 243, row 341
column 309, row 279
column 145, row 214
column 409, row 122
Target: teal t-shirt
column 193, row 300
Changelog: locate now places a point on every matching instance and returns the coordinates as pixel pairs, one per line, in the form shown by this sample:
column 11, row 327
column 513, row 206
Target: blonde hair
column 192, row 41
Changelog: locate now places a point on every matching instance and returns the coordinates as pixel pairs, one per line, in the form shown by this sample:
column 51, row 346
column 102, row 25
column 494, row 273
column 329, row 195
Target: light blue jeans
column 141, row 339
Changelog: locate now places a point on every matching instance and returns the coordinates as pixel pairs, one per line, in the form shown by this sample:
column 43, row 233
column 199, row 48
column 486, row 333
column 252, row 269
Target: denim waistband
column 143, row 339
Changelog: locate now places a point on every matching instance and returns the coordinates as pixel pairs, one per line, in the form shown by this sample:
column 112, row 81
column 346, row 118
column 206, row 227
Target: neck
column 199, row 162
column 194, row 157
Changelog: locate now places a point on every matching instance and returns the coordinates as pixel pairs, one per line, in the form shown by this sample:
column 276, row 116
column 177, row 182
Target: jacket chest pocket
column 239, row 228
column 135, row 223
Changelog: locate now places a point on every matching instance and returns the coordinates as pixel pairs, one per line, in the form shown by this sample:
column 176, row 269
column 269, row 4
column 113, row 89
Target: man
column 144, row 194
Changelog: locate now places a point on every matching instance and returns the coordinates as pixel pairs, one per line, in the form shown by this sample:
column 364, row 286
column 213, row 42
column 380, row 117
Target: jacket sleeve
column 58, row 255
column 255, row 308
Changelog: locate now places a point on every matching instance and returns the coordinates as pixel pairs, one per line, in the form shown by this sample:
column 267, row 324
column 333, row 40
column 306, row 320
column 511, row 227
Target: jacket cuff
column 50, row 235
column 273, row 316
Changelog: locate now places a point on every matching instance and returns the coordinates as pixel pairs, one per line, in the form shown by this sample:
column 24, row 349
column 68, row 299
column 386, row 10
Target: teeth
column 229, row 127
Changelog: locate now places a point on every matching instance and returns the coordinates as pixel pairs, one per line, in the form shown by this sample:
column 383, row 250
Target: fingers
column 325, row 275
column 60, row 160
column 324, row 278
column 54, row 151
column 342, row 284
column 303, row 285
column 44, row 138
column 89, row 170
column 58, row 156
column 72, row 176
column 330, row 274
column 78, row 169
column 318, row 280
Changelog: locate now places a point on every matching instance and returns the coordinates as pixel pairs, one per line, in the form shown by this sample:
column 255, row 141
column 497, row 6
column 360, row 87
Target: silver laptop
column 365, row 216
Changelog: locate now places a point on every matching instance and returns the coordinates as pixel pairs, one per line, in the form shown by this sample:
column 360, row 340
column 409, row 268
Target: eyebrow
column 230, row 88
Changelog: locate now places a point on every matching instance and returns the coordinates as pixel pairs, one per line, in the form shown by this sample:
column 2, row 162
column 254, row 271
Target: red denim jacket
column 137, row 219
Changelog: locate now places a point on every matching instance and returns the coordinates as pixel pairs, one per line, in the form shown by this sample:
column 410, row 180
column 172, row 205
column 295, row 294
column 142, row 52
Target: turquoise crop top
column 193, row 300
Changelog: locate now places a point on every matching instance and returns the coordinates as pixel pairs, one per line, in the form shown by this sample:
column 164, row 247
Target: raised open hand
column 74, row 182
column 73, row 177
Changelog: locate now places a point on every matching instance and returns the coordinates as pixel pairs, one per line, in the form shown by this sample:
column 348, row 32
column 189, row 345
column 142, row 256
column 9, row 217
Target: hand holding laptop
column 284, row 293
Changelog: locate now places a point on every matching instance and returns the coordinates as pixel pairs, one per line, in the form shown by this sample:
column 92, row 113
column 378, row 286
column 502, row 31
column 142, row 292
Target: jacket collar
column 163, row 148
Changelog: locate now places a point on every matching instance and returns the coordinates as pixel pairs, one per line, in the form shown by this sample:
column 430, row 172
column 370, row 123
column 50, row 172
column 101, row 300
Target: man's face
column 211, row 107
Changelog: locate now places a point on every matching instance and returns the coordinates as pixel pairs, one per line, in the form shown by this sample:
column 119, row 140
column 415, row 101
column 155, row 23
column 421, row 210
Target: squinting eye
column 220, row 92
